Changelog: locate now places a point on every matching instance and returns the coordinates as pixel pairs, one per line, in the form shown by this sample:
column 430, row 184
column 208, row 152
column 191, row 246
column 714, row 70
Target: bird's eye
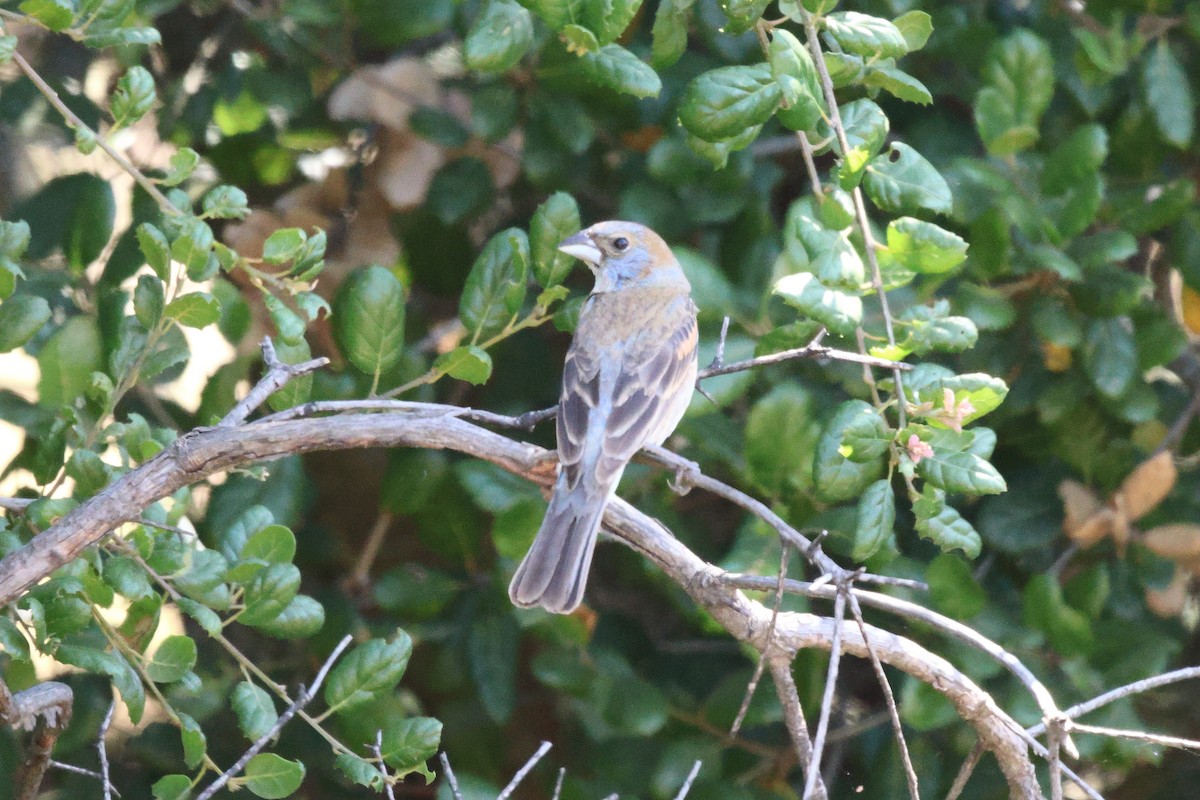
column 621, row 243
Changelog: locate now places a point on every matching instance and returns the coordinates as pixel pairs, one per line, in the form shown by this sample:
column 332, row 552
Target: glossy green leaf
column 172, row 787
column 269, row 593
column 616, row 68
column 495, row 287
column 836, row 477
column 609, row 18
column 876, row 520
column 1019, row 82
column 283, row 245
column 1043, row 609
column 1168, row 95
column 781, row 432
column 300, row 619
column 1076, row 158
column 369, row 319
column 903, row 182
column 555, row 220
column 941, row 524
column 866, row 129
column 670, row 31
column 742, row 14
column 865, row 434
column 865, row 35
column 182, row 164
column 173, row 659
column 68, row 360
column 254, row 708
column 501, row 35
column 359, row 771
column 367, row 672
column 915, row 27
column 204, row 616
column 56, row 15
column 724, row 102
column 271, row 776
column 799, row 82
column 924, row 247
column 839, row 311
column 155, row 248
column 1110, row 356
column 195, row 745
column 460, row 190
column 899, row 84
column 195, row 310
column 961, row 472
column 226, row 202
column 21, row 317
column 468, row 363
column 134, row 96
column 409, row 743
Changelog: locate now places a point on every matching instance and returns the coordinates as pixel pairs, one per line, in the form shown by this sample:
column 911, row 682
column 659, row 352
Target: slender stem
column 835, row 656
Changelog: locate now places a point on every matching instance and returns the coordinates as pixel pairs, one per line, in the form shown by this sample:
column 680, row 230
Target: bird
column 628, row 377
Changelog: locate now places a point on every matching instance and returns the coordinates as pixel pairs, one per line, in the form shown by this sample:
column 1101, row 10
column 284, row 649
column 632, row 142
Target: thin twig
column 1137, row 687
column 88, row 773
column 562, row 773
column 524, row 770
column 687, row 784
column 784, row 550
column 793, row 717
column 1141, row 736
column 889, row 698
column 278, row 374
column 17, row 505
column 377, row 750
column 75, row 122
column 965, row 771
column 835, row 657
column 453, row 781
column 1054, row 739
column 811, row 350
column 102, row 750
column 360, row 576
column 304, row 697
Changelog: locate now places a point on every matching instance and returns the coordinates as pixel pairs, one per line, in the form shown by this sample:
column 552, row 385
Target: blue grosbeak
column 627, row 380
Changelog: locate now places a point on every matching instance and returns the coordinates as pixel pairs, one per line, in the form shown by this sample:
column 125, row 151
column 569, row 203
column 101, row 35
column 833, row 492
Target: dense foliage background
column 451, row 144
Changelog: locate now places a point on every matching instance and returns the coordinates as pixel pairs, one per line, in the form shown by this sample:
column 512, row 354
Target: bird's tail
column 555, row 570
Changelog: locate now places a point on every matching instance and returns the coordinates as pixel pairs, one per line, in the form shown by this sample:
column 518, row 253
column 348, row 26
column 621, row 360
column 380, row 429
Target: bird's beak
column 582, row 247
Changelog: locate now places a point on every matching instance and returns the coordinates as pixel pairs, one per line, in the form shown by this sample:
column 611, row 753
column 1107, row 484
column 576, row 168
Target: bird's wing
column 655, row 369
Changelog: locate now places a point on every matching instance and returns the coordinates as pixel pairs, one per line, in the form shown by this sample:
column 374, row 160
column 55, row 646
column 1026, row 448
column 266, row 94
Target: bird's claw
column 685, row 477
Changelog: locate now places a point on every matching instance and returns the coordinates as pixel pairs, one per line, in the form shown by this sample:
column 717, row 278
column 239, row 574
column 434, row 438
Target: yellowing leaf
column 1079, row 504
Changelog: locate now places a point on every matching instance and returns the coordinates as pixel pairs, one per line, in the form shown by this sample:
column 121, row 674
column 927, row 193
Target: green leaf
column 961, row 472
column 898, row 83
column 799, row 82
column 812, row 247
column 495, row 287
column 155, row 248
column 865, row 435
column 942, row 525
column 204, row 616
column 288, row 324
column 68, row 360
column 56, row 15
column 742, row 14
column 670, row 32
column 133, row 97
column 1175, row 199
column 226, row 202
column 195, row 310
column 193, row 247
column 91, row 210
column 554, row 220
column 271, row 776
column 953, row 589
column 368, row 320
column 8, row 46
column 1043, row 609
column 1168, row 96
column 1110, row 356
column 367, row 672
column 927, row 383
column 299, row 388
column 866, row 129
column 468, row 363
column 148, row 300
column 194, row 744
column 502, row 34
column 119, row 37
column 172, row 787
column 409, row 743
column 609, row 18
column 724, row 102
column 21, row 316
column 836, row 477
column 1076, row 158
column 492, row 656
column 460, row 190
column 915, row 27
column 302, row 618
column 438, row 126
column 283, row 245
column 579, row 40
column 1019, row 76
column 274, row 544
column 839, row 311
column 183, row 163
column 902, row 182
column 359, row 771
column 781, row 431
column 876, row 520
column 924, row 247
column 173, row 659
column 865, row 35
column 616, row 68
column 932, row 329
column 271, row 591
column 254, row 708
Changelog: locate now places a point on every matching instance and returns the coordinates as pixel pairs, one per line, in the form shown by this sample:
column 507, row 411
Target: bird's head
column 624, row 255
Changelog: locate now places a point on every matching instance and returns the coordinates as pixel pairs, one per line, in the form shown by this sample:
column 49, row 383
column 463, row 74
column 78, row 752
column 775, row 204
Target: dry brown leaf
column 1094, row 528
column 1178, row 542
column 405, row 167
column 1168, row 602
column 1146, row 486
column 1190, row 303
column 1079, row 503
column 1056, row 357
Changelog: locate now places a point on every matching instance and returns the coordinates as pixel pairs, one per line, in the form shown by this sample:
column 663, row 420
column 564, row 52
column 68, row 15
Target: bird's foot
column 685, row 478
